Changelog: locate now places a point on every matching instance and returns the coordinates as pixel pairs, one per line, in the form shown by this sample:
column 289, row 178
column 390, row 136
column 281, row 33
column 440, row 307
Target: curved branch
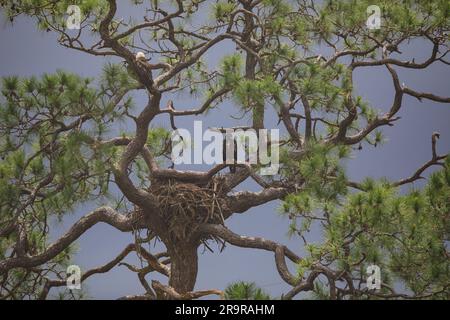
column 246, row 242
column 102, row 214
column 434, row 161
column 425, row 95
column 242, row 201
column 306, row 285
column 151, row 23
column 405, row 64
column 257, row 243
column 102, row 269
column 385, row 119
column 200, row 110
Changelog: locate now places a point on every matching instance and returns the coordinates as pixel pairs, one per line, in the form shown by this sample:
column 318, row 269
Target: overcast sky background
column 24, row 51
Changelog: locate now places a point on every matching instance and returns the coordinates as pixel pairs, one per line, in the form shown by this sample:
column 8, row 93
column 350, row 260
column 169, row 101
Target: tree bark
column 183, row 266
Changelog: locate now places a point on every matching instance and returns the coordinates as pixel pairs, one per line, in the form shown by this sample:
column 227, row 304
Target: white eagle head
column 140, row 56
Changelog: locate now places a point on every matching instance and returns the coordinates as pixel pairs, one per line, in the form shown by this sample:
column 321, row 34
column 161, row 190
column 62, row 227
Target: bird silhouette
column 227, row 145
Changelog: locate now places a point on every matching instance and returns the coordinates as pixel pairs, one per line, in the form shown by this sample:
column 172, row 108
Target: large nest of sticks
column 186, row 206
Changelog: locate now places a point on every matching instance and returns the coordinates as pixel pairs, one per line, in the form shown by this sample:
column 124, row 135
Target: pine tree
column 245, row 291
column 59, row 149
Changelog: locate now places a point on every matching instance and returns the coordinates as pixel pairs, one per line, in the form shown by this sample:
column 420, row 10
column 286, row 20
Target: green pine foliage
column 52, row 126
column 242, row 290
column 405, row 234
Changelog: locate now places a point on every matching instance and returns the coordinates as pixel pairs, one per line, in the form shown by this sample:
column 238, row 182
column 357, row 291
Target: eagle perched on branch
column 142, row 64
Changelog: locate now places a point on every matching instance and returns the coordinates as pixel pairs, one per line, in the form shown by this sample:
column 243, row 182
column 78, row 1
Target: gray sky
column 26, row 51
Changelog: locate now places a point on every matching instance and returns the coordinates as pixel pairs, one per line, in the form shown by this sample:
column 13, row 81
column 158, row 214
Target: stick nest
column 186, row 206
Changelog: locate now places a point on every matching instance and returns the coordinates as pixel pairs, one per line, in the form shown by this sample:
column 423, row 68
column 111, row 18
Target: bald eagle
column 141, row 61
column 140, row 56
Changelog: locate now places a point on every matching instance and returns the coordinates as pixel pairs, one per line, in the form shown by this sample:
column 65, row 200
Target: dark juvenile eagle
column 228, row 144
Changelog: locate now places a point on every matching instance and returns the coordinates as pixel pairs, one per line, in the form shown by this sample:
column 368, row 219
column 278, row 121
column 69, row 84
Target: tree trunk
column 183, row 266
